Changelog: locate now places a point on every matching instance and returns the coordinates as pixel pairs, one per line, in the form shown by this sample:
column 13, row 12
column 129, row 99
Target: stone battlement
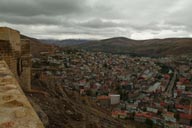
column 13, row 36
column 15, row 109
column 17, row 54
column 15, row 76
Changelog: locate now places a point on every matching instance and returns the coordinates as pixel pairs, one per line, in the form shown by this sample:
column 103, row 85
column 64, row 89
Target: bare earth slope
column 66, row 109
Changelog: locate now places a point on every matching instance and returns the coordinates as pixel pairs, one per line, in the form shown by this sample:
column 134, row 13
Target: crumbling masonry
column 15, row 76
column 16, row 53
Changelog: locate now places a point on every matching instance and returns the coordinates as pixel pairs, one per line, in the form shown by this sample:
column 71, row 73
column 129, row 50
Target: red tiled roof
column 82, row 81
column 185, row 116
column 124, row 113
column 94, row 86
column 163, row 104
column 184, row 80
column 166, row 76
column 146, row 115
column 183, row 106
column 170, row 114
column 103, row 97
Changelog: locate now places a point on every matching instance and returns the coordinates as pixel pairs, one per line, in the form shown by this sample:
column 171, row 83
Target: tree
column 89, row 93
column 177, row 116
column 149, row 123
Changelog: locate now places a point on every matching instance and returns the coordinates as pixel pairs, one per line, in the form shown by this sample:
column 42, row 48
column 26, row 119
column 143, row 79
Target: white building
column 115, row 99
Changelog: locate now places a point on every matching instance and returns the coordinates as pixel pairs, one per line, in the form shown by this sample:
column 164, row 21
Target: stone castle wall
column 15, row 109
column 11, row 35
column 15, row 73
column 16, row 53
column 26, row 64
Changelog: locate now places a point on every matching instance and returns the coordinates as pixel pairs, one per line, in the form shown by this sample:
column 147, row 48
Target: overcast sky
column 61, row 19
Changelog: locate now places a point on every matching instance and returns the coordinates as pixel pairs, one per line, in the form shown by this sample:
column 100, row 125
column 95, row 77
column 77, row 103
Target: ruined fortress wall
column 26, row 64
column 7, row 54
column 12, row 36
column 16, row 53
column 4, row 34
column 25, row 47
column 26, row 80
column 15, row 62
column 16, row 111
column 10, row 47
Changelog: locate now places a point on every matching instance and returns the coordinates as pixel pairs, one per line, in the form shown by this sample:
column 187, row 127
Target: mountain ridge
column 65, row 42
column 120, row 45
column 151, row 47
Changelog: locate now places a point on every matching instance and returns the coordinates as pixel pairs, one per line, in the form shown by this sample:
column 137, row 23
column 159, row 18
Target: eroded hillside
column 66, row 109
column 153, row 47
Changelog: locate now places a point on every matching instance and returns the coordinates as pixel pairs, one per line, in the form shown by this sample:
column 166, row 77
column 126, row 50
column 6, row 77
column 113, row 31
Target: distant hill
column 38, row 46
column 152, row 47
column 67, row 42
column 119, row 45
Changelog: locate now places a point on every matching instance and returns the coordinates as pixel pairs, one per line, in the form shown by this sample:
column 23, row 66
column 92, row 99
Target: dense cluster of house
column 143, row 89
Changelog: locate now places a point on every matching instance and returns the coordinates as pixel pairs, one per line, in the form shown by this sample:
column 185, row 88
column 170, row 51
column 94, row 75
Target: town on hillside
column 154, row 91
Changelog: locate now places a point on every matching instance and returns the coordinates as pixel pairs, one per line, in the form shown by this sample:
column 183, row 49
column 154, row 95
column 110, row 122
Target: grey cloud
column 99, row 23
column 42, row 7
column 40, row 19
column 104, row 18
